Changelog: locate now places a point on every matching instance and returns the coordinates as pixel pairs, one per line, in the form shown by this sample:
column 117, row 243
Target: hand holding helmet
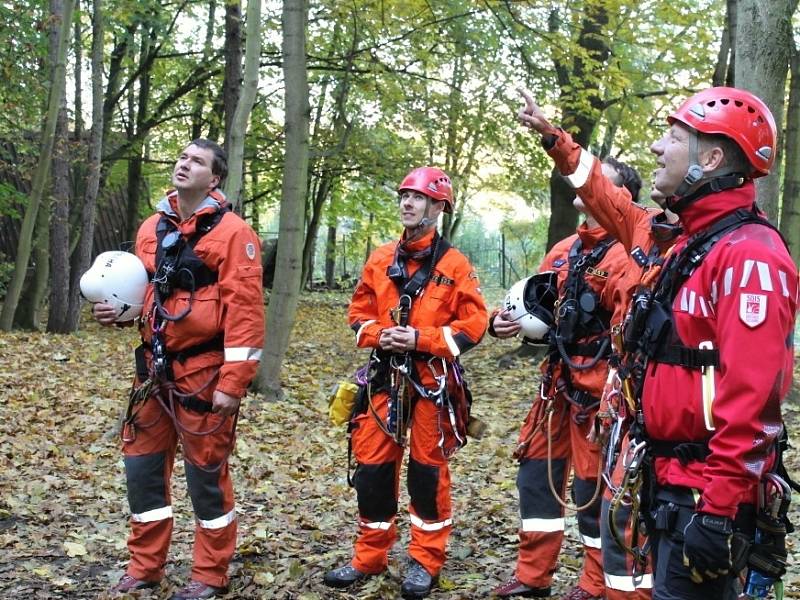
column 531, row 303
column 116, row 284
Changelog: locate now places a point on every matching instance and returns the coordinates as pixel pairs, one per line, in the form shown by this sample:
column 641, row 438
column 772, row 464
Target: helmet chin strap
column 695, row 172
column 716, row 180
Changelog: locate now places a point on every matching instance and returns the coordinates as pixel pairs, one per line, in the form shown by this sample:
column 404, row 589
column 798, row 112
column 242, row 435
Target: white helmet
column 119, row 279
column 531, row 301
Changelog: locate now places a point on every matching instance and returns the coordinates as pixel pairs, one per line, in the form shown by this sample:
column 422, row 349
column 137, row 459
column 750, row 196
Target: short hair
column 219, row 165
column 733, row 156
column 629, row 177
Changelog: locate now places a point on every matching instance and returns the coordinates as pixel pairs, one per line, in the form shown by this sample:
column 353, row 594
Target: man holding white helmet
column 728, row 286
column 202, row 329
column 589, row 269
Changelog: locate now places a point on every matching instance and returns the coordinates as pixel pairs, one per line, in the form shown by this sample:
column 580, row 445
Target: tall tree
column 763, row 39
column 790, row 209
column 83, row 252
column 233, row 64
column 40, row 178
column 286, row 289
column 238, row 127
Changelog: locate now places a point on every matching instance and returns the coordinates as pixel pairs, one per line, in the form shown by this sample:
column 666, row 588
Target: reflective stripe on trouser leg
column 211, row 491
column 591, row 578
column 542, row 529
column 618, row 564
column 148, row 469
column 376, row 480
column 428, row 479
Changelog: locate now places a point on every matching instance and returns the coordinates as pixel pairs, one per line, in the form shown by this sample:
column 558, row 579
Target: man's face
column 412, row 208
column 193, row 170
column 672, row 158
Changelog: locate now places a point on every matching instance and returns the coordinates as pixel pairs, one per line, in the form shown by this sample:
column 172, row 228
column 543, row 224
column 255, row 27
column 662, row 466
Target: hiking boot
column 578, row 593
column 343, row 576
column 197, row 590
column 127, row 583
column 417, row 582
column 514, row 587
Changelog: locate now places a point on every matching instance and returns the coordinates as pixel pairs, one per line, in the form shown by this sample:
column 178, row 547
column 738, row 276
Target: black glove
column 707, row 546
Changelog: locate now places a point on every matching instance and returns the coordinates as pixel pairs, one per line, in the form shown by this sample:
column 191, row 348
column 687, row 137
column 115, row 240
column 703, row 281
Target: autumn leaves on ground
column 63, row 513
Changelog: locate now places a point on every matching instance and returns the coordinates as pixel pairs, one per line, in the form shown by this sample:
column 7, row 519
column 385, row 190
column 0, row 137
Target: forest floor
column 63, row 508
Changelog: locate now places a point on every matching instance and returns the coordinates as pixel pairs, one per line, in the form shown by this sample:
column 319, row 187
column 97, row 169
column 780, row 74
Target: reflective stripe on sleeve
column 581, row 174
column 625, row 583
column 591, row 542
column 417, row 522
column 361, row 329
column 157, row 514
column 242, row 353
column 219, row 522
column 543, row 525
column 451, row 343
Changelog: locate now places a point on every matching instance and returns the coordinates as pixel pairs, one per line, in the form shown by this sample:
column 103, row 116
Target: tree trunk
column 763, row 35
column 78, row 49
column 59, row 230
column 330, row 256
column 233, row 64
column 579, row 85
column 732, row 7
column 286, row 289
column 83, row 252
column 28, row 315
column 202, row 91
column 40, row 177
column 725, row 55
column 236, row 134
column 790, row 211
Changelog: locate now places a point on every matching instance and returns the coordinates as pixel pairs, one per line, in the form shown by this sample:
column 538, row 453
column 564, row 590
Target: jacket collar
column 709, row 209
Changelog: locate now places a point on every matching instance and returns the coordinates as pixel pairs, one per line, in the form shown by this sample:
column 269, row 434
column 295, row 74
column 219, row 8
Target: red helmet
column 736, row 114
column 432, row 182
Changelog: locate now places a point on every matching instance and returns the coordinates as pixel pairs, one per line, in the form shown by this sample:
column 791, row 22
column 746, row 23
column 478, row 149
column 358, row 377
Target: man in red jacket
column 711, row 407
column 202, row 331
column 591, row 268
column 418, row 305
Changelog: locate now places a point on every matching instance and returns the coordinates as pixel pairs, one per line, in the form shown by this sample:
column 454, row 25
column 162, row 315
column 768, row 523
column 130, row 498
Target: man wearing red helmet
column 710, row 407
column 418, row 306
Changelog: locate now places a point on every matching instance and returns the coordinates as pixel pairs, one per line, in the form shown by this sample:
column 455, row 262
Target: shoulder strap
column 412, row 286
column 682, row 265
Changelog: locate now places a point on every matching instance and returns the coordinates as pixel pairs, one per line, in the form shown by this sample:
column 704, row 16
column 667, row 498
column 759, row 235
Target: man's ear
column 214, row 182
column 712, row 159
column 437, row 208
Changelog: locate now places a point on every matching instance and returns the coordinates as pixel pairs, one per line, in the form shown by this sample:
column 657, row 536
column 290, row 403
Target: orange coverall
column 450, row 318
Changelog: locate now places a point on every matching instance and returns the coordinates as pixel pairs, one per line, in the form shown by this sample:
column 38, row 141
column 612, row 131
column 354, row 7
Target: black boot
column 343, row 576
column 418, row 582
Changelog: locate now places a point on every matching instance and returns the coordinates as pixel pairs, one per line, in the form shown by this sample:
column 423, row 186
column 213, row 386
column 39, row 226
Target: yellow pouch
column 341, row 401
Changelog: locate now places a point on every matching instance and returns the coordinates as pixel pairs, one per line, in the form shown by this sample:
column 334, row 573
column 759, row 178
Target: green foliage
column 6, row 271
column 11, row 200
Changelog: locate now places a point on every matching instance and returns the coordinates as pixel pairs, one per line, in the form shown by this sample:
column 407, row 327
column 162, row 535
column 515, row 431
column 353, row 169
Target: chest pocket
column 435, row 298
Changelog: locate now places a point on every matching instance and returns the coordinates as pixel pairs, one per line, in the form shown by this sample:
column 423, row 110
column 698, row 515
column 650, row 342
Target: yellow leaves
column 264, row 578
column 74, row 549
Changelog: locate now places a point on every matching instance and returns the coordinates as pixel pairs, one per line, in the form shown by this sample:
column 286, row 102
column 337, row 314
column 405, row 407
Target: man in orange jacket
column 418, row 305
column 591, row 273
column 202, row 330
